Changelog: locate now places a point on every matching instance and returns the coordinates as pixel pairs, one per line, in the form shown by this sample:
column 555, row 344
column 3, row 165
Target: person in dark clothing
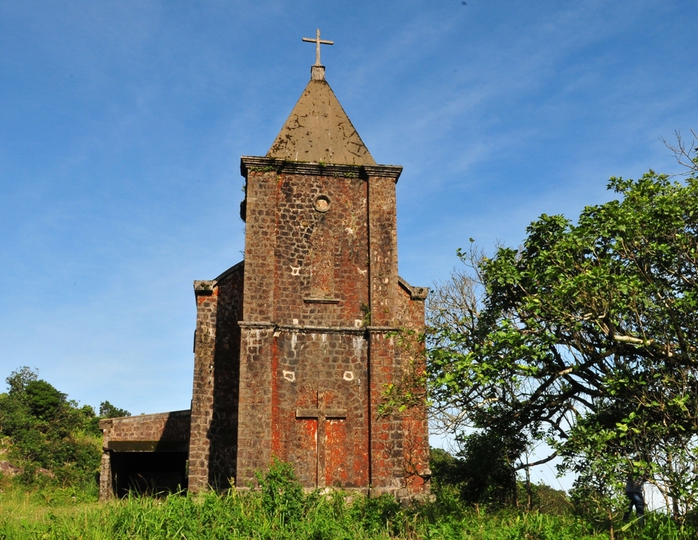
column 633, row 491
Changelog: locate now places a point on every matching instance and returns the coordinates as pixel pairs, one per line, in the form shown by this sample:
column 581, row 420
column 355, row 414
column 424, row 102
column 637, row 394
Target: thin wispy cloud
column 123, row 125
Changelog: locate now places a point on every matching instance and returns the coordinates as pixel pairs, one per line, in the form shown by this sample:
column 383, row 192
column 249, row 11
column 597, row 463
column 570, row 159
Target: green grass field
column 287, row 513
column 281, row 509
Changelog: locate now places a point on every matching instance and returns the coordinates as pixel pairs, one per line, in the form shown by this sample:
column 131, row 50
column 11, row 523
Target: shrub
column 282, row 495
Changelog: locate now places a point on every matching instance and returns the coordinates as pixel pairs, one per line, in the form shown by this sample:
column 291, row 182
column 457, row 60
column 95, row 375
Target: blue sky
column 122, row 125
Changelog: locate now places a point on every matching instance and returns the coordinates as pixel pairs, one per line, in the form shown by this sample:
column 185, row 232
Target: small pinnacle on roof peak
column 317, row 42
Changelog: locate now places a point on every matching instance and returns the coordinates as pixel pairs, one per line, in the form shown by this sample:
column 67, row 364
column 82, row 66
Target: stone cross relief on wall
column 321, row 415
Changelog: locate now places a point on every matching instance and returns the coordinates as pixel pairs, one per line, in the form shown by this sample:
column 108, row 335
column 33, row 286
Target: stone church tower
column 294, row 345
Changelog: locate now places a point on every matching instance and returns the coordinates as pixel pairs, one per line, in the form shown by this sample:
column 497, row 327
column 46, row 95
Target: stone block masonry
column 294, row 347
column 214, row 426
column 317, row 336
column 125, row 442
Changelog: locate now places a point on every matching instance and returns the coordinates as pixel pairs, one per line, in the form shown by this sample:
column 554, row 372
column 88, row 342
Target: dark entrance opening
column 148, row 473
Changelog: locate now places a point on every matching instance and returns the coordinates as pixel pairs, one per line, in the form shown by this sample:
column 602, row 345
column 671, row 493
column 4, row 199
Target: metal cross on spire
column 317, row 42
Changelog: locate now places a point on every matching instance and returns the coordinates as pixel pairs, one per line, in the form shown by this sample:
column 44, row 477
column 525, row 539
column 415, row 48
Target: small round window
column 322, row 203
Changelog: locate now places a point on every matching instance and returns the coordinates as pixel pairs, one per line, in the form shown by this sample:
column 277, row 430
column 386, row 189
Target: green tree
column 107, row 410
column 47, row 430
column 18, row 380
column 586, row 336
column 43, row 399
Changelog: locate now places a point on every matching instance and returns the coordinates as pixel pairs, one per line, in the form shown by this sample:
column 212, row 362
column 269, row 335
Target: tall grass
column 281, row 510
column 243, row 516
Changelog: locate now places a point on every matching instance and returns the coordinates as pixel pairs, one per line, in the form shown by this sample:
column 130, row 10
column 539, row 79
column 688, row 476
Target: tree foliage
column 107, row 410
column 585, row 336
column 49, row 433
column 43, row 399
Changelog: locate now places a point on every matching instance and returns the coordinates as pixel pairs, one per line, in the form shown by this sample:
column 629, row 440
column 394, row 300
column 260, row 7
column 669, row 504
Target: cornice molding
column 279, row 166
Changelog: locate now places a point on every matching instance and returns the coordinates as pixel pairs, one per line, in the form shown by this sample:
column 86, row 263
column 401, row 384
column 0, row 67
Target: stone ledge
column 416, row 293
column 140, row 418
column 204, row 287
column 294, row 328
column 257, row 325
column 280, row 166
column 321, row 300
column 382, row 329
column 384, row 171
column 148, row 446
column 358, row 330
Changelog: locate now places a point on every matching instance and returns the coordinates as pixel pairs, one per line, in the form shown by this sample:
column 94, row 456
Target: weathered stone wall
column 306, row 247
column 223, row 429
column 254, row 405
column 382, row 249
column 322, row 301
column 319, row 410
column 307, row 241
column 206, row 294
column 147, row 433
column 411, row 360
column 294, row 349
column 214, row 427
column 159, row 427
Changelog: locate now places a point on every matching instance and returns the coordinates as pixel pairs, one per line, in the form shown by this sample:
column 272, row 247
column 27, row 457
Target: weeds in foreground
column 281, row 510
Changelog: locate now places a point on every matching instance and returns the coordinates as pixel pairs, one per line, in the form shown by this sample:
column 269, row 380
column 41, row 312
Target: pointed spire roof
column 318, row 130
